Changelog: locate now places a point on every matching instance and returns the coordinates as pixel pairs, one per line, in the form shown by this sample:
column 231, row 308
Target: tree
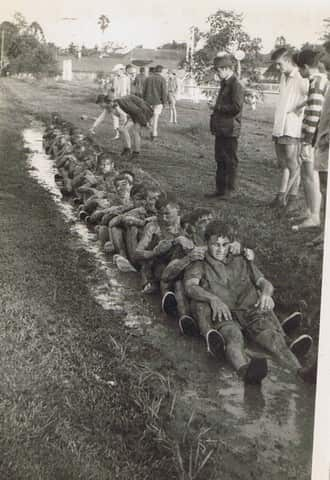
column 173, row 46
column 26, row 49
column 73, row 49
column 20, row 22
column 36, row 31
column 226, row 34
column 103, row 23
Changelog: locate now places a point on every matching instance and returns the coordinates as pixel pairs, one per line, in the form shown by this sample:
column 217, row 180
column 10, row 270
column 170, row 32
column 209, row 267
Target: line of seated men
column 206, row 278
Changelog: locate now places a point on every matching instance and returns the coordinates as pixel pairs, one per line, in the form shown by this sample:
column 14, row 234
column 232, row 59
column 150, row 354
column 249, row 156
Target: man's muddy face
column 151, row 201
column 107, row 165
column 170, row 215
column 202, row 223
column 139, row 200
column 218, row 247
column 123, row 188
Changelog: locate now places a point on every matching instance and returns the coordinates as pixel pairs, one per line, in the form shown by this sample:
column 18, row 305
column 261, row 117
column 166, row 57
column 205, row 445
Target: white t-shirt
column 293, row 92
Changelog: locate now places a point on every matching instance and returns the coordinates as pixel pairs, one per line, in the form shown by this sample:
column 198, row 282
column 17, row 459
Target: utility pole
column 2, row 58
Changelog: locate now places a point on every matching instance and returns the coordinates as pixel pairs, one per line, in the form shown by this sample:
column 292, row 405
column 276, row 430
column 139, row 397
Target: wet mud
column 270, row 428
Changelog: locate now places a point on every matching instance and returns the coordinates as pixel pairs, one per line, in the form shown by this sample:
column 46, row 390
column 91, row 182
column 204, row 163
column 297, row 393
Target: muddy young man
column 230, row 296
column 287, row 127
column 175, row 301
column 225, row 125
column 162, row 241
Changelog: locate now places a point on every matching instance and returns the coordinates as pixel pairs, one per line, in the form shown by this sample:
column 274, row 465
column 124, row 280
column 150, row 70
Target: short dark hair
column 280, row 52
column 129, row 66
column 308, row 57
column 218, row 228
column 100, row 99
column 159, row 68
column 139, row 189
column 122, row 177
column 142, row 69
column 167, row 199
column 197, row 214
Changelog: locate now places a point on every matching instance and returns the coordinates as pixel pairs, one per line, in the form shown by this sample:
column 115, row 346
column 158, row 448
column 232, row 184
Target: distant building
column 87, row 68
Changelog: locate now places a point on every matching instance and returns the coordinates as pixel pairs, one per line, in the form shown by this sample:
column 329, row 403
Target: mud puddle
column 277, row 420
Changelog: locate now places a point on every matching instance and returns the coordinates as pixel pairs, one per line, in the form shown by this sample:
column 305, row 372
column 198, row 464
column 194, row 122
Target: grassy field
column 78, row 398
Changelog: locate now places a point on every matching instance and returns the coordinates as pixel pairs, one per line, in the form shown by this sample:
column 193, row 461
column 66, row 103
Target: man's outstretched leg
column 250, row 370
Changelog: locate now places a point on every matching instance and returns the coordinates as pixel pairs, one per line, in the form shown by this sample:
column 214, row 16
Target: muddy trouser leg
column 131, row 237
column 265, row 329
column 118, row 240
column 146, row 272
column 235, row 352
column 182, row 301
column 103, row 234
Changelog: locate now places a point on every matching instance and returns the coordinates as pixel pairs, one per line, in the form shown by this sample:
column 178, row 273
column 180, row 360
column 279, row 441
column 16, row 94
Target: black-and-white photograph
column 163, row 196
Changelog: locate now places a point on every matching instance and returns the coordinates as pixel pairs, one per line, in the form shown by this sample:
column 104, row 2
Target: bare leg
column 118, row 241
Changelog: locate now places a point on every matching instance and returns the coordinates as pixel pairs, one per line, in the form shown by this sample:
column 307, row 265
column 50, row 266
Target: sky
column 153, row 23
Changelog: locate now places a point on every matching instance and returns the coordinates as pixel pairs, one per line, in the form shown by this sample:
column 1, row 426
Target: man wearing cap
column 225, row 124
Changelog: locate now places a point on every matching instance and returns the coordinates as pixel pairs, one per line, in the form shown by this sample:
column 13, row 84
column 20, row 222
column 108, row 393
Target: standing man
column 122, row 86
column 225, row 124
column 172, row 90
column 155, row 93
column 287, row 126
column 309, row 65
column 139, row 82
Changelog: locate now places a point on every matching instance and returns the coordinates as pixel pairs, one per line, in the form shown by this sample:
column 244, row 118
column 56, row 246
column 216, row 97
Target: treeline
column 25, row 50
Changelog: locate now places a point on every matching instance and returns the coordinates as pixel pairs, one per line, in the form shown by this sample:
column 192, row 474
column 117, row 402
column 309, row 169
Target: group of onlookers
column 300, row 132
column 151, row 85
column 207, row 279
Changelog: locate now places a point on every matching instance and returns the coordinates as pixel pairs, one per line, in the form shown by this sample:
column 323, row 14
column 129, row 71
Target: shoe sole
column 169, row 304
column 301, row 346
column 216, row 344
column 188, row 326
column 292, row 322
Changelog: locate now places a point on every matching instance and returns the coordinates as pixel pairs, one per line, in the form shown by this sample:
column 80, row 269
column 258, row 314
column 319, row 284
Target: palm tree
column 103, row 22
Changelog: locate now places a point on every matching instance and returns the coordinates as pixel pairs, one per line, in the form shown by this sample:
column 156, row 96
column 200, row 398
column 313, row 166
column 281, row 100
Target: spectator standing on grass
column 225, row 125
column 287, row 126
column 139, row 82
column 155, row 93
column 322, row 151
column 309, row 66
column 172, row 89
column 122, row 86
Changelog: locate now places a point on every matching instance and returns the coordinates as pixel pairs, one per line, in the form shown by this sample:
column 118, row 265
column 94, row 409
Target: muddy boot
column 215, row 344
column 301, row 345
column 188, row 326
column 169, row 304
column 255, row 371
column 309, row 373
column 291, row 323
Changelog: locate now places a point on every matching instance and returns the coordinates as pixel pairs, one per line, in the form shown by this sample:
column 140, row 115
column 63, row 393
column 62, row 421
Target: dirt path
column 56, row 339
